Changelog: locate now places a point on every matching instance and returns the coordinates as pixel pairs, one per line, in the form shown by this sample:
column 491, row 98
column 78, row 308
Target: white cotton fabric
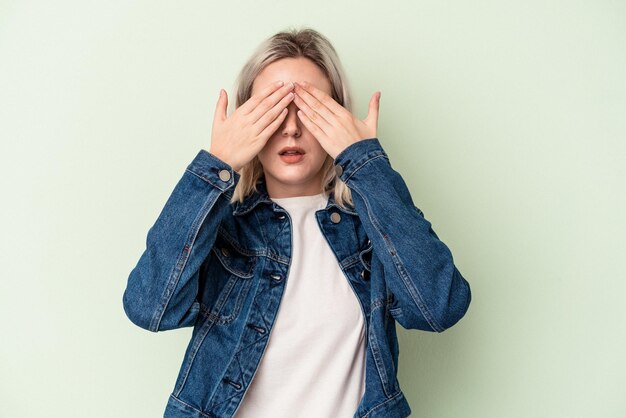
column 314, row 363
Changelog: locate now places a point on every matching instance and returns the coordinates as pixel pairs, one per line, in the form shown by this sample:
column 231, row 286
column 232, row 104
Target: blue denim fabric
column 221, row 268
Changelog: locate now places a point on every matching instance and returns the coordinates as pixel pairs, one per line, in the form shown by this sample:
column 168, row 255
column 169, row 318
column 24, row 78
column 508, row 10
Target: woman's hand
column 238, row 138
column 332, row 124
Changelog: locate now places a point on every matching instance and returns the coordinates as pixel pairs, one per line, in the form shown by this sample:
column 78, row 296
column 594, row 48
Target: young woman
column 292, row 247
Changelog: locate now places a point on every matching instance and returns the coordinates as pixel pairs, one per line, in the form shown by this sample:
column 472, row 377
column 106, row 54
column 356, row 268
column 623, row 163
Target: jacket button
column 335, row 217
column 225, row 252
column 224, row 175
column 339, row 170
column 365, row 274
column 257, row 329
column 232, row 383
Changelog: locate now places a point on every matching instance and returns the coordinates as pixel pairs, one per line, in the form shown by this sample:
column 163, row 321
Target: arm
column 161, row 291
column 419, row 268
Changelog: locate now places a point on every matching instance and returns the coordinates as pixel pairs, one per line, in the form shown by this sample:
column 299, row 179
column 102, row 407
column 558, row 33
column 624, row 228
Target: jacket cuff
column 214, row 171
column 356, row 155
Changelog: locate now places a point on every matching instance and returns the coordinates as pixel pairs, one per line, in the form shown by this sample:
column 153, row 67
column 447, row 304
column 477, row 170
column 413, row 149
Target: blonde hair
column 294, row 43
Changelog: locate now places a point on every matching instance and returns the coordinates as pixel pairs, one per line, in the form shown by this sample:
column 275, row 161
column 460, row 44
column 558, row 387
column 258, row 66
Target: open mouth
column 291, row 151
column 291, row 156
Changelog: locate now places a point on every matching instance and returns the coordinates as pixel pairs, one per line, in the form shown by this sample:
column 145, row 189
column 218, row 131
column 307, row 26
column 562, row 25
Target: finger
column 273, row 113
column 314, row 107
column 323, row 97
column 313, row 115
column 373, row 110
column 271, row 128
column 269, row 102
column 312, row 127
column 254, row 101
column 221, row 106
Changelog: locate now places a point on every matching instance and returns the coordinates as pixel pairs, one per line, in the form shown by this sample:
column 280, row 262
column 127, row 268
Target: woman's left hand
column 332, row 124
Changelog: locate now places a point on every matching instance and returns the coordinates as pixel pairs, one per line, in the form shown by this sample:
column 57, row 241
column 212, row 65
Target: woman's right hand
column 237, row 139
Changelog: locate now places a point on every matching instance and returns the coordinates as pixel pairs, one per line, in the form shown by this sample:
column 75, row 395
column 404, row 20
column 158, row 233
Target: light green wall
column 506, row 119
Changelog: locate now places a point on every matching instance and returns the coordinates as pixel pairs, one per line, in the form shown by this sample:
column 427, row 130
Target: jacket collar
column 261, row 196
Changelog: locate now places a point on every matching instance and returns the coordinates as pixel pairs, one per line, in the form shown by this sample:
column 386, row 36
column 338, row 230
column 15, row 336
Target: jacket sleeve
column 161, row 291
column 419, row 269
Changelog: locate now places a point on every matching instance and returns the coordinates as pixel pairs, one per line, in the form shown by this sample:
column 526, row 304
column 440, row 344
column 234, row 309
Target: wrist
column 225, row 160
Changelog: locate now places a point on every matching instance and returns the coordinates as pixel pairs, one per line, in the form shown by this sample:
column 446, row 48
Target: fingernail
column 280, row 83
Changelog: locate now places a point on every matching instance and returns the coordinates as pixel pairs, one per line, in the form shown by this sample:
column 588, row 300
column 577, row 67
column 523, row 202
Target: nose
column 291, row 124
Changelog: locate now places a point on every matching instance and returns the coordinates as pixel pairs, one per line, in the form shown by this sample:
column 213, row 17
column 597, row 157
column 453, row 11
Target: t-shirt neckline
column 300, row 200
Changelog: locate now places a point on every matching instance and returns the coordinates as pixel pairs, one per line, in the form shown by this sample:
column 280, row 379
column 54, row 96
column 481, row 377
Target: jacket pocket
column 381, row 336
column 226, row 281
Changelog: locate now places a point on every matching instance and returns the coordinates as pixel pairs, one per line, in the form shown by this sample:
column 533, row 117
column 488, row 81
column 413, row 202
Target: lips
column 291, row 151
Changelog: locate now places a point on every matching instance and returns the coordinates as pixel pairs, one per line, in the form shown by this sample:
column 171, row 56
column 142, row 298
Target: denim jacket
column 222, row 267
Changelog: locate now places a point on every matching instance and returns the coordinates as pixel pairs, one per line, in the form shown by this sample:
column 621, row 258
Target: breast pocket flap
column 233, row 259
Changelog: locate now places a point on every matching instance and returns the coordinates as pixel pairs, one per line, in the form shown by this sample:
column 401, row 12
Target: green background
column 506, row 119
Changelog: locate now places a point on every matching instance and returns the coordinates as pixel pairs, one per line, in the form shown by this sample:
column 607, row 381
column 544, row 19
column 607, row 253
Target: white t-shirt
column 314, row 363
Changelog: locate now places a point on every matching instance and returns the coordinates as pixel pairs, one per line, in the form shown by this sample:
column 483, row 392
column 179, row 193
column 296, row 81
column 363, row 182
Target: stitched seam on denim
column 254, row 342
column 417, row 298
column 411, row 289
column 349, row 261
column 210, row 315
column 214, row 405
column 258, row 222
column 226, row 190
column 276, row 257
column 379, row 302
column 226, row 236
column 345, row 210
column 370, row 150
column 241, row 296
column 365, row 162
column 181, row 262
column 380, row 405
column 380, row 367
column 223, row 295
column 285, row 225
column 191, row 407
column 239, row 273
column 396, row 311
column 203, row 178
column 235, row 358
column 260, row 308
column 202, row 333
column 217, row 317
column 171, row 284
